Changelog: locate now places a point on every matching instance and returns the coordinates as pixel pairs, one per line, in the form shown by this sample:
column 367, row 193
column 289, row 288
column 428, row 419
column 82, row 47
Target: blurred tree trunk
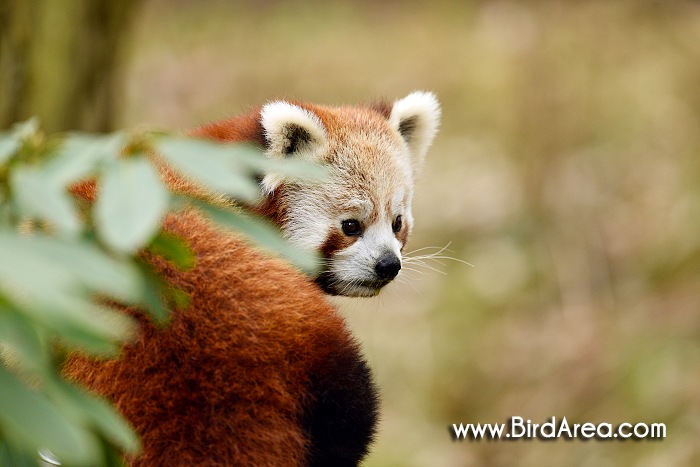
column 59, row 60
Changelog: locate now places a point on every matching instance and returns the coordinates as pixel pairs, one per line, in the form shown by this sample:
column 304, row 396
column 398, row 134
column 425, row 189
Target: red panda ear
column 416, row 117
column 290, row 130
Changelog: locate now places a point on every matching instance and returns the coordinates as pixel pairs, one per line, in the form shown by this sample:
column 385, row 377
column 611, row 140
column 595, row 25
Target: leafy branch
column 59, row 252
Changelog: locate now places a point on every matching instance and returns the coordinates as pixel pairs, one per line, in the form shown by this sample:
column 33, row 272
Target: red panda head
column 360, row 217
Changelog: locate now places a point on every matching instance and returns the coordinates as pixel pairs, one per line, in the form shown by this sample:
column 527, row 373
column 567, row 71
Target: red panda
column 259, row 369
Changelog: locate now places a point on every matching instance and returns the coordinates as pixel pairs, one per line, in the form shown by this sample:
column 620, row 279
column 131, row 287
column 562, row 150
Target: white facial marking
column 357, row 209
column 309, row 218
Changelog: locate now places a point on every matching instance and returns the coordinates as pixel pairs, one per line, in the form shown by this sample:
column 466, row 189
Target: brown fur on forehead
column 355, row 183
column 357, row 122
column 366, row 155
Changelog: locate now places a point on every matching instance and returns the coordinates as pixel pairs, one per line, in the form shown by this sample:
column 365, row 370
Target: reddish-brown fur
column 241, row 128
column 227, row 381
column 250, row 316
column 273, row 207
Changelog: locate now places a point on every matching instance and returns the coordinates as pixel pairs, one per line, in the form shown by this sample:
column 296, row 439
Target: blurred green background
column 567, row 171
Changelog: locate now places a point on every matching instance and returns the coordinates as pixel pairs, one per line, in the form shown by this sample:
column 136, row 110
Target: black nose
column 388, row 266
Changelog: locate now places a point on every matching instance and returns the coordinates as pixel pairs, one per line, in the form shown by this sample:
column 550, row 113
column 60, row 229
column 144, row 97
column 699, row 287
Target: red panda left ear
column 416, row 117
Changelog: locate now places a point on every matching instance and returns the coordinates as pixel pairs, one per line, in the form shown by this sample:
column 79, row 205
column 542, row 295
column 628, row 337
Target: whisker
column 440, row 249
column 435, row 257
column 428, row 266
column 423, row 261
column 408, row 268
column 428, row 248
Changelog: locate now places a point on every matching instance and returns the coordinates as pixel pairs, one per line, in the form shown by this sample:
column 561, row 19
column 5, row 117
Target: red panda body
column 230, row 381
column 259, row 369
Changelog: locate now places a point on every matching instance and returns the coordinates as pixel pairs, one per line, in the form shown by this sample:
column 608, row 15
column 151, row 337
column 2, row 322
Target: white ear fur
column 289, row 129
column 416, row 117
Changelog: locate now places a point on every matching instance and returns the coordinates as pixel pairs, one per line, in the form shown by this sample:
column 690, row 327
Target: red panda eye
column 396, row 226
column 351, row 227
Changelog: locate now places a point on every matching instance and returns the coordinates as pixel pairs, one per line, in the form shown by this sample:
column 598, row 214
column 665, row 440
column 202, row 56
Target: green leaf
column 263, row 233
column 38, row 198
column 294, row 169
column 17, row 458
column 174, row 249
column 112, row 457
column 9, row 145
column 221, row 168
column 43, row 265
column 80, row 155
column 94, row 269
column 22, row 337
column 131, row 204
column 95, row 329
column 55, row 282
column 34, row 422
column 156, row 293
column 80, row 322
column 95, row 412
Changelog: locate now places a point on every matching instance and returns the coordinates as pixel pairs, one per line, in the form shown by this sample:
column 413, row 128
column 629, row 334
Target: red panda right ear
column 416, row 117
